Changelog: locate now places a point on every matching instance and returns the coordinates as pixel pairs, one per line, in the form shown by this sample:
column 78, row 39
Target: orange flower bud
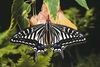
column 33, row 20
column 44, row 15
column 64, row 21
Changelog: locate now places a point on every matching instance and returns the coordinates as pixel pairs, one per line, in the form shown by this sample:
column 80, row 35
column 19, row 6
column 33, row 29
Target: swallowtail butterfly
column 40, row 36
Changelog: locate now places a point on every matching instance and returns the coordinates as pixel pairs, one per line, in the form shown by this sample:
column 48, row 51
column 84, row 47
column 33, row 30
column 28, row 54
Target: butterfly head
column 48, row 21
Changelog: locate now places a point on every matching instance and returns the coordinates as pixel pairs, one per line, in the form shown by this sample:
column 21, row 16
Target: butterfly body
column 42, row 36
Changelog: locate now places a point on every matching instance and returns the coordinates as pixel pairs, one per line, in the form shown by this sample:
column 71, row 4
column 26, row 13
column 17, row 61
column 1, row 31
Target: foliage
column 8, row 49
column 82, row 3
column 19, row 13
column 53, row 6
column 20, row 10
column 27, row 61
column 82, row 22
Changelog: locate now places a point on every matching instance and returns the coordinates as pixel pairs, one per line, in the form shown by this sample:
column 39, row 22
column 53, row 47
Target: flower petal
column 64, row 21
column 33, row 20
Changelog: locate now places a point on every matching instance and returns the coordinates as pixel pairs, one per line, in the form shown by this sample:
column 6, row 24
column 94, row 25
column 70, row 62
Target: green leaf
column 3, row 62
column 53, row 6
column 25, row 60
column 5, row 35
column 22, row 22
column 20, row 11
column 12, row 63
column 82, row 3
column 43, row 60
column 8, row 49
column 83, row 22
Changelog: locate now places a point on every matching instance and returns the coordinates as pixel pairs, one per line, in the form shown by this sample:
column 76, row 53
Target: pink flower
column 44, row 15
column 41, row 17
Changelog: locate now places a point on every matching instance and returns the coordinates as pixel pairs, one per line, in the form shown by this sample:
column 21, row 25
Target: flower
column 41, row 17
column 64, row 21
column 44, row 15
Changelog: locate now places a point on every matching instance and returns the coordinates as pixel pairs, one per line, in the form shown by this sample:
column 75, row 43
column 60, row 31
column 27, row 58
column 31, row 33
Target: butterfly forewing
column 32, row 36
column 66, row 33
column 63, row 36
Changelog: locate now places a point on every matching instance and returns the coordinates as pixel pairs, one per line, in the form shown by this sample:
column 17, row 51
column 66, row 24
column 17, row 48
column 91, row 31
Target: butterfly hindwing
column 33, row 37
column 63, row 36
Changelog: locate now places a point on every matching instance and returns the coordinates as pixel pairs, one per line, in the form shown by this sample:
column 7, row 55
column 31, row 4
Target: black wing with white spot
column 63, row 36
column 32, row 36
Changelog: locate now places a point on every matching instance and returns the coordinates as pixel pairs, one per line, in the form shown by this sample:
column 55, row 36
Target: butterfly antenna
column 44, row 16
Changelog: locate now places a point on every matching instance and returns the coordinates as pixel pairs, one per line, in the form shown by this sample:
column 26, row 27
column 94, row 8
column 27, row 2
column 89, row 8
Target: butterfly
column 40, row 36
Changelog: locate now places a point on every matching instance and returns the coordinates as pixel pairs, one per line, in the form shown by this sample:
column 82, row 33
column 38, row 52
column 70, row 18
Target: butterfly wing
column 63, row 36
column 33, row 37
